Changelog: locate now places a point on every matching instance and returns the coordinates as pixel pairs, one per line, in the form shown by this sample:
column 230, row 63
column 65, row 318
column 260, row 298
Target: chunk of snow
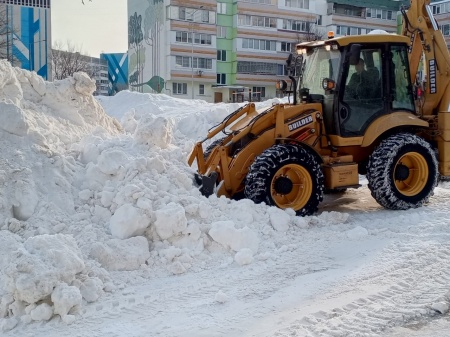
column 227, row 235
column 441, row 307
column 91, row 289
column 110, row 161
column 26, row 199
column 43, row 312
column 9, row 324
column 128, row 221
column 244, row 256
column 154, row 131
column 84, row 84
column 357, row 232
column 13, row 120
column 279, row 219
column 221, row 297
column 170, row 220
column 64, row 298
column 41, row 264
column 127, row 254
column 177, row 268
column 85, row 195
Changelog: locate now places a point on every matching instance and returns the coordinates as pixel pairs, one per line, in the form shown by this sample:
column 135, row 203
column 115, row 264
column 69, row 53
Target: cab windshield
column 319, row 63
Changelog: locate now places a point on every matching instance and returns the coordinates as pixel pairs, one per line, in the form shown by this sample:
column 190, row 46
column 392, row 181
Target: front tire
column 286, row 176
column 402, row 172
column 211, row 147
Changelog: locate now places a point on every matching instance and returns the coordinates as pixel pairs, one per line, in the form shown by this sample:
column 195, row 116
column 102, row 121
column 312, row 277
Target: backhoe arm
column 427, row 39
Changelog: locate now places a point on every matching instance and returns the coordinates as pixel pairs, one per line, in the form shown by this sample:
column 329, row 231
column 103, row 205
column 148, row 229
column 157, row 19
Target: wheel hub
column 283, row 185
column 401, row 172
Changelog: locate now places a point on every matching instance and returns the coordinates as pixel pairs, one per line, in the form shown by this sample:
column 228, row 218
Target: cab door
column 358, row 108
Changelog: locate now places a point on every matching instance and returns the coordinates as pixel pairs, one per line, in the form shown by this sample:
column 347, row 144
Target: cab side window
column 401, row 90
column 362, row 100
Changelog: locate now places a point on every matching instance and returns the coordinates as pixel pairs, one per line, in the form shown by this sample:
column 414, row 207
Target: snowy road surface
column 379, row 274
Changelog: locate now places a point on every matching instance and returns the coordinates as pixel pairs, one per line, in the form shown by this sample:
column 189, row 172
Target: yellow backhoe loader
column 357, row 108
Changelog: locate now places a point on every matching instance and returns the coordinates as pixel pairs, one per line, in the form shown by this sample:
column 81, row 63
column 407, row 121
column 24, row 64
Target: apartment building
column 441, row 11
column 347, row 17
column 25, row 34
column 99, row 75
column 225, row 51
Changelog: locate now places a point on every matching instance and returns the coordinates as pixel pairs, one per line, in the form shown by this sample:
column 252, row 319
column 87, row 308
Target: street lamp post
column 192, row 51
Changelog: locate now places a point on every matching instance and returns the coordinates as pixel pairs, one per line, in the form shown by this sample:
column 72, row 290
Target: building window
column 192, row 14
column 296, row 25
column 221, row 32
column 199, row 38
column 257, row 68
column 29, row 3
column 179, row 88
column 319, row 20
column 286, row 46
column 181, row 37
column 345, row 30
column 259, row 91
column 221, row 8
column 221, row 79
column 438, row 9
column 202, row 39
column 221, row 55
column 297, row 3
column 257, row 21
column 183, row 61
column 202, row 63
column 205, row 16
column 445, row 29
column 201, row 89
column 348, row 10
column 382, row 14
column 266, row 2
column 198, row 62
column 259, row 44
column 182, row 13
column 281, row 70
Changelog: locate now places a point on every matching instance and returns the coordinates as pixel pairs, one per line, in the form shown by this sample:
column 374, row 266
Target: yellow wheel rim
column 291, row 187
column 411, row 174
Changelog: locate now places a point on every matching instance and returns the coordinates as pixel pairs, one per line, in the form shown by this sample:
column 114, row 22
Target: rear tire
column 286, row 176
column 402, row 172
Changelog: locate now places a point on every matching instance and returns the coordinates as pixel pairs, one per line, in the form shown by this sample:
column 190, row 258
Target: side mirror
column 281, row 85
column 328, row 84
column 355, row 51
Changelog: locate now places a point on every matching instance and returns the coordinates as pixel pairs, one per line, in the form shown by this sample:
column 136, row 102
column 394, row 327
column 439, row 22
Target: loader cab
column 374, row 82
column 357, row 83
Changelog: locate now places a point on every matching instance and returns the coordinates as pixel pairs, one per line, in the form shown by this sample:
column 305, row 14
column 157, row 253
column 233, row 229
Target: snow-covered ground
column 104, row 234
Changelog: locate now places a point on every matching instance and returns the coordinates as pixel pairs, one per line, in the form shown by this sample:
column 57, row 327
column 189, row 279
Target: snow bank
column 88, row 205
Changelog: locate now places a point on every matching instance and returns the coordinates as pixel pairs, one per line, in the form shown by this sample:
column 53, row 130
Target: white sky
column 95, row 27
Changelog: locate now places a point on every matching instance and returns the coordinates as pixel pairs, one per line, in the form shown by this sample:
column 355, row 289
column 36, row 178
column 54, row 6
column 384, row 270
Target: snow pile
column 87, row 208
column 39, row 124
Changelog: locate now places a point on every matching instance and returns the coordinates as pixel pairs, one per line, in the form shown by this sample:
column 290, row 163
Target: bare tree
column 7, row 35
column 312, row 33
column 68, row 59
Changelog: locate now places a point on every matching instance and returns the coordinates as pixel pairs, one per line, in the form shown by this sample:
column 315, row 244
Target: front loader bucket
column 208, row 184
